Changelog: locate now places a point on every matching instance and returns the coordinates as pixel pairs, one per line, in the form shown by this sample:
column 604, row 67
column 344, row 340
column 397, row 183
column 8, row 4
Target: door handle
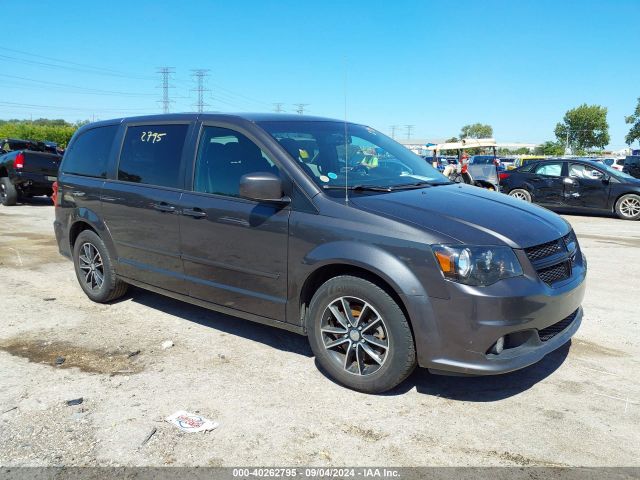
column 164, row 207
column 194, row 212
column 77, row 193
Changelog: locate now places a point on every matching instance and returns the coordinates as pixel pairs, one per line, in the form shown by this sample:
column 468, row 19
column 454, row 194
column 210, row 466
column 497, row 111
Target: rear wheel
column 628, row 207
column 8, row 192
column 94, row 269
column 520, row 194
column 360, row 335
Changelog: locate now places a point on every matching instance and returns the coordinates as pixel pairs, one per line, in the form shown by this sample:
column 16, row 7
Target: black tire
column 8, row 192
column 111, row 286
column 628, row 207
column 521, row 194
column 398, row 357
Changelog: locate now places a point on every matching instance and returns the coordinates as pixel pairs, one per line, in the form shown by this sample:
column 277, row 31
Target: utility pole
column 393, row 131
column 409, row 128
column 300, row 109
column 199, row 75
column 165, row 72
column 278, row 107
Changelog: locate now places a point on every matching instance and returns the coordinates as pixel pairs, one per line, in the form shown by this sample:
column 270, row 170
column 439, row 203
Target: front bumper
column 456, row 335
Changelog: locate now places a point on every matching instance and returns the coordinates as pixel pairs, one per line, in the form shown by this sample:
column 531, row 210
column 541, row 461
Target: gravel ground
column 580, row 406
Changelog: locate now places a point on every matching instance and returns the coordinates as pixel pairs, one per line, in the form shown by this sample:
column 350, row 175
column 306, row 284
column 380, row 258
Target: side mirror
column 606, row 179
column 263, row 187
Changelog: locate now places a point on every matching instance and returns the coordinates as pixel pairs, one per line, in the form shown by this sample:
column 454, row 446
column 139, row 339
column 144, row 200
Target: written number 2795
column 153, row 137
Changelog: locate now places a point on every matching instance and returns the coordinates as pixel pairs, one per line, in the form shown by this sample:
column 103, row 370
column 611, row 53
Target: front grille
column 551, row 331
column 555, row 273
column 545, row 250
column 564, row 249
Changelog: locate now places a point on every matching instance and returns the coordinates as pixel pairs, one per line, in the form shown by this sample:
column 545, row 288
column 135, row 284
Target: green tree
column 584, row 127
column 634, row 121
column 452, row 140
column 550, row 148
column 58, row 131
column 476, row 130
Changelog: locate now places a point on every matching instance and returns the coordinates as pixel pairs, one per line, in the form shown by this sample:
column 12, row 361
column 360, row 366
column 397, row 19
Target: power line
column 278, row 107
column 393, row 131
column 68, row 62
column 88, row 109
column 165, row 72
column 246, row 98
column 94, row 91
column 200, row 75
column 300, row 109
column 70, row 68
column 409, row 128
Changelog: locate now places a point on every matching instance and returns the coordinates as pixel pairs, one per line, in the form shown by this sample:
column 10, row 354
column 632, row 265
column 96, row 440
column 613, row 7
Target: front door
column 234, row 250
column 140, row 206
column 546, row 180
column 586, row 187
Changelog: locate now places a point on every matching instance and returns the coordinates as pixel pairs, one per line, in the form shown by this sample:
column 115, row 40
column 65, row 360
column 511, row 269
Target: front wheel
column 520, row 194
column 360, row 335
column 628, row 207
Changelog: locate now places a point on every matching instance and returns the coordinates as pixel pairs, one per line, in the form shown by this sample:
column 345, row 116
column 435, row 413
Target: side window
column 577, row 170
column 151, row 154
column 549, row 169
column 223, row 157
column 89, row 153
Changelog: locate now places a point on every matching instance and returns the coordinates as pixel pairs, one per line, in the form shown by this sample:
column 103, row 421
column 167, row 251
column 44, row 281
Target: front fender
column 396, row 274
column 370, row 258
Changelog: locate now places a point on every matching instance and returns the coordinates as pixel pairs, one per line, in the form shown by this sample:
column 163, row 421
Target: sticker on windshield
column 324, row 178
column 332, row 175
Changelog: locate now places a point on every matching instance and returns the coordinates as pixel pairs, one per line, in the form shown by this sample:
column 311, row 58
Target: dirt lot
column 579, row 406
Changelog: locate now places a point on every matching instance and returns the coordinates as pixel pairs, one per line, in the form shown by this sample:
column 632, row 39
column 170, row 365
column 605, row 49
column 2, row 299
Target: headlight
column 479, row 266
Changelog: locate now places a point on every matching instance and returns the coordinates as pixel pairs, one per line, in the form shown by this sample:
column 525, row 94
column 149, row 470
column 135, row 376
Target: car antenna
column 346, row 148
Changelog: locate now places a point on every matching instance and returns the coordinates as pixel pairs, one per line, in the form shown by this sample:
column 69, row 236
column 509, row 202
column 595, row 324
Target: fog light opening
column 498, row 347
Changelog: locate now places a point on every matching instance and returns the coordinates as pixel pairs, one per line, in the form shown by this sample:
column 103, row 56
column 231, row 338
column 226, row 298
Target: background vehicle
column 26, row 172
column 520, row 161
column 484, row 169
column 581, row 185
column 506, row 163
column 632, row 166
column 615, row 163
column 484, row 160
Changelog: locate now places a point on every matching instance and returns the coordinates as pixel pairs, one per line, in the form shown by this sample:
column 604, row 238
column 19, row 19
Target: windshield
column 482, row 159
column 335, row 155
column 613, row 172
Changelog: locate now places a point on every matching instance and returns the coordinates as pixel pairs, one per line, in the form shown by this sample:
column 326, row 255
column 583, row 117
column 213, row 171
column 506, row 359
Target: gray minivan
column 325, row 228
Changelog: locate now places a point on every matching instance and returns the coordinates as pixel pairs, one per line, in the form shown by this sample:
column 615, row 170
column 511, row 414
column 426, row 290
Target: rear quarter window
column 151, row 154
column 89, row 153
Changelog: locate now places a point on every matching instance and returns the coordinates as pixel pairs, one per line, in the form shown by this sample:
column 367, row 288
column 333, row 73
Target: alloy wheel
column 355, row 335
column 630, row 207
column 519, row 196
column 3, row 192
column 91, row 266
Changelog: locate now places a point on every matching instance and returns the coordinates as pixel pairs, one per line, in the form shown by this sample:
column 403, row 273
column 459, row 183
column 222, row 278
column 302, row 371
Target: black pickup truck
column 27, row 169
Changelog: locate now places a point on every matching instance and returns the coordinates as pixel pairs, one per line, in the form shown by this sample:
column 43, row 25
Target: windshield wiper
column 359, row 188
column 407, row 186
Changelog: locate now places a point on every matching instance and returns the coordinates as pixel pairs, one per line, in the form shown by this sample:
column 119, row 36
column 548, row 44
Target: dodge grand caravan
column 326, row 228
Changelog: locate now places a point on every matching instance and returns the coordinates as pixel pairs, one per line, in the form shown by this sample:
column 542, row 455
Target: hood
column 468, row 214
